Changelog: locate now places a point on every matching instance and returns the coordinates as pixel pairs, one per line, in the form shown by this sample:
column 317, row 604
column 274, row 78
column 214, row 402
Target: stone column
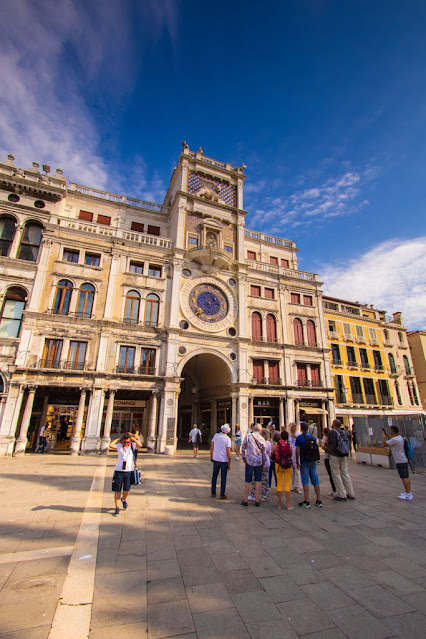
column 234, row 414
column 251, row 412
column 21, row 442
column 291, row 415
column 332, row 410
column 106, row 438
column 76, row 439
column 152, row 421
column 10, row 417
column 324, row 415
column 213, row 417
column 297, row 411
column 281, row 413
column 91, row 440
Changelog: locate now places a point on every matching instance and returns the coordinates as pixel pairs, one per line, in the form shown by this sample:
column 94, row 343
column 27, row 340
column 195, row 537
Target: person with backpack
column 307, row 455
column 401, row 452
column 284, row 465
column 196, row 438
column 338, row 449
column 253, row 454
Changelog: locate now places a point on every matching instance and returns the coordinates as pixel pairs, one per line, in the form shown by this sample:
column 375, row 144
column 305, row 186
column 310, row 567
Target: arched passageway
column 205, row 397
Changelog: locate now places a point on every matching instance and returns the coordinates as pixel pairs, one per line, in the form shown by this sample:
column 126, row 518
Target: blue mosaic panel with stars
column 227, row 192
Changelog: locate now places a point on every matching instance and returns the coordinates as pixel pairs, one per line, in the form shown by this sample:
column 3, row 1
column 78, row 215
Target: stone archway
column 205, row 397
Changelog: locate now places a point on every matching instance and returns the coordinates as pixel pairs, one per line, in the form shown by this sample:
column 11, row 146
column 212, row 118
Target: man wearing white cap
column 220, row 455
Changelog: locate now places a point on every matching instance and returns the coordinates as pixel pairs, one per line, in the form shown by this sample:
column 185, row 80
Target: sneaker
column 351, row 498
column 223, row 497
column 124, row 502
column 244, row 503
column 332, row 494
column 257, row 503
column 250, row 498
column 319, row 503
column 299, row 491
column 339, row 498
column 117, row 512
column 406, row 496
column 236, row 457
column 304, row 504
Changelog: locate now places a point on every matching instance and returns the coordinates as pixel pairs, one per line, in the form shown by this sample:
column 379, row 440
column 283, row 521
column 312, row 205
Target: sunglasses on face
column 125, row 441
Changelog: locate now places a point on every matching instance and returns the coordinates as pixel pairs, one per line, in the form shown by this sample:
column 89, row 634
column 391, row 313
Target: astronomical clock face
column 209, row 305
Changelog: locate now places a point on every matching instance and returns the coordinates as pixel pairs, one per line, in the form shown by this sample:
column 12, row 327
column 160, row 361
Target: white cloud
column 54, row 53
column 391, row 276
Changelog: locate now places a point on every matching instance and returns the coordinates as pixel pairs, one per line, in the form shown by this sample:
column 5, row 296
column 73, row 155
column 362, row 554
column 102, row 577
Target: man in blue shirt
column 308, row 469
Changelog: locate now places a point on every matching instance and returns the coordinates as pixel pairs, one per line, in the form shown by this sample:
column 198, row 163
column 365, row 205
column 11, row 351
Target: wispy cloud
column 334, row 197
column 391, row 276
column 55, row 55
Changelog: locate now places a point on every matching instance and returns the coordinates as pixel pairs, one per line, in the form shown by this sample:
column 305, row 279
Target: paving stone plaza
column 180, row 564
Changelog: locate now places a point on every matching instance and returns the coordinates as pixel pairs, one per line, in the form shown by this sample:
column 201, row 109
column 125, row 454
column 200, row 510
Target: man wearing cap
column 220, row 455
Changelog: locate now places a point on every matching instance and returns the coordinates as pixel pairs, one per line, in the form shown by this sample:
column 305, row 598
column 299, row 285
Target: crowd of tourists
column 289, row 457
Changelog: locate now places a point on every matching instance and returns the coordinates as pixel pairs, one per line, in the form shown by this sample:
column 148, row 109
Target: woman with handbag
column 124, row 468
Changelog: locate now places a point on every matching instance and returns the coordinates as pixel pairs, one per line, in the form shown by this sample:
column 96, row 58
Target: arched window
column 386, row 332
column 410, row 393
column 271, row 328
column 131, row 309
column 392, row 364
column 401, row 338
column 407, row 365
column 298, row 332
column 11, row 314
column 151, row 310
column 311, row 333
column 7, row 233
column 398, row 393
column 415, row 395
column 30, row 242
column 256, row 326
column 86, row 295
column 61, row 305
column 1, row 385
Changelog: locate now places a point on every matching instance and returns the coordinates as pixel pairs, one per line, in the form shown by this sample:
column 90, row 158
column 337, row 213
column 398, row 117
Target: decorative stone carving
column 211, row 191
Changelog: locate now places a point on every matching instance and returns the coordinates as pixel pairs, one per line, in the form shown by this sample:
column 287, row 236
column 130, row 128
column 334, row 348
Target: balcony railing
column 281, row 270
column 361, row 340
column 121, row 199
column 395, row 371
column 341, row 398
column 357, row 398
column 263, row 338
column 267, row 381
column 371, row 399
column 333, row 334
column 386, row 400
column 135, row 370
column 66, row 313
column 374, row 341
column 336, row 362
column 365, row 366
column 308, row 383
column 60, row 364
column 352, row 364
column 379, row 368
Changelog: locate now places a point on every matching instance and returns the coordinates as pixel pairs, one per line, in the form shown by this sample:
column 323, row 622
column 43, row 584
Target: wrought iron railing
column 67, row 365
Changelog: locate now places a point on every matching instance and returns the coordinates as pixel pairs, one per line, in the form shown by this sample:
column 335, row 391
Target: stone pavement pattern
column 180, row 564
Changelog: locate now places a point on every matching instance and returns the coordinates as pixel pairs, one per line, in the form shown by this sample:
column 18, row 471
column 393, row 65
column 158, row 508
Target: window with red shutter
column 251, row 255
column 295, row 298
column 302, row 377
column 86, row 216
column 273, row 260
column 298, row 332
column 258, row 370
column 307, row 300
column 137, row 226
column 255, row 291
column 271, row 328
column 153, row 230
column 104, row 219
column 273, row 372
column 269, row 293
column 315, row 375
column 256, row 326
column 311, row 333
column 285, row 263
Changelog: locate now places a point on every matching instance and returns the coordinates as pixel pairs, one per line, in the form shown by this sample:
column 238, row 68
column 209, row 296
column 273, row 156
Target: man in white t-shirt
column 396, row 444
column 220, row 455
column 196, row 438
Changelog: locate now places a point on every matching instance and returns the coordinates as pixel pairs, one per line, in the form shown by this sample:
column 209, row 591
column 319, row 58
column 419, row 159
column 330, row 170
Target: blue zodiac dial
column 208, row 303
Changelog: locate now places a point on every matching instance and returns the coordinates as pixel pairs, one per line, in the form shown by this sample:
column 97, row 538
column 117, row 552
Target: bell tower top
column 218, row 183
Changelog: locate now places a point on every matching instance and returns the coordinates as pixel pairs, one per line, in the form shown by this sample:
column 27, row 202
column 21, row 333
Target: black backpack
column 311, row 451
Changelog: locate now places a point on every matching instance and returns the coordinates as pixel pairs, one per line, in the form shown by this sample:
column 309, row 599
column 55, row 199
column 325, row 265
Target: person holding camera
column 397, row 446
column 125, row 447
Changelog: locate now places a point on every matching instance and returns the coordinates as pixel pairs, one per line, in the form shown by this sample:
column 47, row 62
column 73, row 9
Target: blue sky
column 324, row 101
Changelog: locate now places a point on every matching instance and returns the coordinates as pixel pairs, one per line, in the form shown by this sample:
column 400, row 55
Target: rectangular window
column 192, row 240
column 229, row 248
column 295, row 298
column 364, row 357
column 148, row 361
column 153, row 230
column 127, row 359
column 258, row 371
column 52, row 353
column 335, row 353
column 76, row 356
column 331, row 326
column 377, row 356
column 285, row 263
column 86, row 216
column 373, row 335
column 137, row 226
column 315, row 375
column 359, row 331
column 70, row 256
column 356, row 390
column 104, row 219
column 350, row 352
column 302, row 378
column 331, row 306
column 273, row 372
column 347, row 330
column 269, row 293
column 136, row 267
column 273, row 260
column 339, row 386
column 251, row 255
column 255, row 291
column 307, row 300
column 369, row 390
column 154, row 270
column 91, row 259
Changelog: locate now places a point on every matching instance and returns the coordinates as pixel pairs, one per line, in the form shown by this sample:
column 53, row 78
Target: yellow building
column 417, row 343
column 371, row 365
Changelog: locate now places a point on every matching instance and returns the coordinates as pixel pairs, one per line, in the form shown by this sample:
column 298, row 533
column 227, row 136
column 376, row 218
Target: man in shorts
column 196, row 438
column 253, row 453
column 308, row 469
column 124, row 467
column 396, row 444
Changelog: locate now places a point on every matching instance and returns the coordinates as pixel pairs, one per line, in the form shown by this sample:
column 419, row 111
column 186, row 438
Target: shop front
column 314, row 409
column 266, row 409
column 128, row 416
